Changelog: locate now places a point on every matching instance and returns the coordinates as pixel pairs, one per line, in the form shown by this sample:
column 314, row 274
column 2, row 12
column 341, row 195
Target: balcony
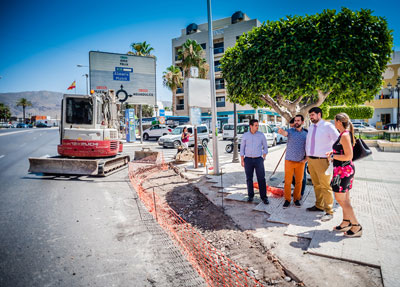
column 383, row 103
column 220, row 86
column 179, row 91
column 218, row 51
column 220, row 104
column 180, row 107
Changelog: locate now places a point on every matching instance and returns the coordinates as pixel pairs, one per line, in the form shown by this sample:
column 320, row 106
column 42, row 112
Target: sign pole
column 140, row 124
column 212, row 84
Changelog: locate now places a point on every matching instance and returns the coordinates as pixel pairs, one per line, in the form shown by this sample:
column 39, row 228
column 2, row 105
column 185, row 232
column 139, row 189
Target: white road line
column 10, row 133
column 1, row 156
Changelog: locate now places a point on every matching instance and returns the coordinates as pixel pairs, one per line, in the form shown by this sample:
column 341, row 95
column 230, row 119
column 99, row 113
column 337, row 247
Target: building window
column 179, row 90
column 203, row 46
column 220, row 102
column 219, row 84
column 217, row 66
column 180, row 105
column 219, row 48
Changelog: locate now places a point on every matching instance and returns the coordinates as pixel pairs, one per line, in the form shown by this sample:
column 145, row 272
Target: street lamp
column 396, row 89
column 85, row 75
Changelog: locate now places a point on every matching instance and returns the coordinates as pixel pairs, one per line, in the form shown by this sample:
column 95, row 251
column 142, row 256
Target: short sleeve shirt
column 296, row 145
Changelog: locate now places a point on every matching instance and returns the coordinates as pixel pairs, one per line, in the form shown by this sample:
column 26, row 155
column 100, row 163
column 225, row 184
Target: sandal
column 340, row 228
column 354, row 234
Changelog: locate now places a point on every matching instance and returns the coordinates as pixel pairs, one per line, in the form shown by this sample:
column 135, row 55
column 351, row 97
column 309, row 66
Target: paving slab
column 243, row 197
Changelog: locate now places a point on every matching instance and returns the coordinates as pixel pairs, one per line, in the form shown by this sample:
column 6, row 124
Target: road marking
column 1, row 156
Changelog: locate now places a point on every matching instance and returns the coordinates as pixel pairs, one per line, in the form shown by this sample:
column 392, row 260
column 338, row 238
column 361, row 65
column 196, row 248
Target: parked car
column 156, row 132
column 22, row 125
column 264, row 128
column 227, row 130
column 174, row 139
column 5, row 125
column 359, row 127
column 280, row 138
column 387, row 126
column 42, row 125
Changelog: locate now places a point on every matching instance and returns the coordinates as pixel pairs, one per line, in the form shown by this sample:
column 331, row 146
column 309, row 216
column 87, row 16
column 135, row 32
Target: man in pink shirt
column 321, row 136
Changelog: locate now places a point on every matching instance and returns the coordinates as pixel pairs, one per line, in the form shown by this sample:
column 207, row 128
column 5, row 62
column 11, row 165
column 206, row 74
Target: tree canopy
column 192, row 55
column 5, row 113
column 23, row 103
column 141, row 49
column 300, row 62
column 173, row 79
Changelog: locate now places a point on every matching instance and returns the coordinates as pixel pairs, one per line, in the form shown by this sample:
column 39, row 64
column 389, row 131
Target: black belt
column 253, row 157
column 317, row 157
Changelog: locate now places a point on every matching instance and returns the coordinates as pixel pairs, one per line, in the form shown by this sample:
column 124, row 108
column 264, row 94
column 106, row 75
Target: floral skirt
column 343, row 176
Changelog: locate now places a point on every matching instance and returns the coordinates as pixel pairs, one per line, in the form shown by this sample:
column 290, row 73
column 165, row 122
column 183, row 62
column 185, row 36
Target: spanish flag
column 73, row 86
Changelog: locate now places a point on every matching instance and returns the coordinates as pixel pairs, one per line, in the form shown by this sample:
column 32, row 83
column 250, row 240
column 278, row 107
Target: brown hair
column 345, row 120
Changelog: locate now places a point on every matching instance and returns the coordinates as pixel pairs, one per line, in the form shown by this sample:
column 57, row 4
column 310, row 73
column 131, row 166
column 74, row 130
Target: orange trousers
column 297, row 169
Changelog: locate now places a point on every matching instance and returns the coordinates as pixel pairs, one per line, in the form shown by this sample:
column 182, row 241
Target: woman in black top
column 343, row 175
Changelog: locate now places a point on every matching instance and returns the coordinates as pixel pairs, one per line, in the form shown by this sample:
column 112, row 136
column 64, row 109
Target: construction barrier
column 209, row 262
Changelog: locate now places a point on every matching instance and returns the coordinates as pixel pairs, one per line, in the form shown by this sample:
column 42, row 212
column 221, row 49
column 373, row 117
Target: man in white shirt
column 321, row 136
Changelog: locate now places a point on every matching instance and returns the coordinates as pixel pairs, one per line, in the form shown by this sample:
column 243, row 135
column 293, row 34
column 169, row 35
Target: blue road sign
column 121, row 76
column 162, row 113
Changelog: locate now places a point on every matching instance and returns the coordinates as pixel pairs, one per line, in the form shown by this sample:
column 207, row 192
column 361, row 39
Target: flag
column 73, row 86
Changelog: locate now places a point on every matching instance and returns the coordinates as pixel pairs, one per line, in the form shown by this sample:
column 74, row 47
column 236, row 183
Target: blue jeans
column 251, row 164
column 303, row 184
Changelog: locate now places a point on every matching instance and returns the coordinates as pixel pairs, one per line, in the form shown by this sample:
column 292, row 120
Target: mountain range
column 44, row 103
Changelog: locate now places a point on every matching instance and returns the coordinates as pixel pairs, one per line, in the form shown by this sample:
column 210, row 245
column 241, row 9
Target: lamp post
column 85, row 75
column 235, row 157
column 398, row 102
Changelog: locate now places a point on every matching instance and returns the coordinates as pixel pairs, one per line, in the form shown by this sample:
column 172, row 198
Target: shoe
column 250, row 199
column 314, row 208
column 265, row 200
column 343, row 228
column 350, row 233
column 297, row 203
column 286, row 204
column 326, row 217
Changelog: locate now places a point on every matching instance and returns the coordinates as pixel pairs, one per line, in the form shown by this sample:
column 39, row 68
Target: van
column 227, row 130
column 244, row 127
column 174, row 139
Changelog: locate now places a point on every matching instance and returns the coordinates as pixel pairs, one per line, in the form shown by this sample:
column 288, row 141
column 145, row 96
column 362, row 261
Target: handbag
column 360, row 150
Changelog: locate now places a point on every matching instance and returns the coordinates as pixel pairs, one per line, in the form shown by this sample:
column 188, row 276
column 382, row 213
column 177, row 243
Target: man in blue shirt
column 253, row 150
column 295, row 160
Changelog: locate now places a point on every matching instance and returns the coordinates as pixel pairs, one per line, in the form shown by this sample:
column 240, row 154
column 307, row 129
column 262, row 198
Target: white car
column 264, row 128
column 156, row 132
column 279, row 138
column 363, row 127
column 174, row 139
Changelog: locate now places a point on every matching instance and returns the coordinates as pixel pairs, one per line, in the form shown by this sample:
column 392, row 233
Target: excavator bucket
column 59, row 165
column 76, row 166
column 147, row 156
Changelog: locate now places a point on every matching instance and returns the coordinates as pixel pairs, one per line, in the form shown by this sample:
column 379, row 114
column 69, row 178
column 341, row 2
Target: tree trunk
column 23, row 112
column 173, row 101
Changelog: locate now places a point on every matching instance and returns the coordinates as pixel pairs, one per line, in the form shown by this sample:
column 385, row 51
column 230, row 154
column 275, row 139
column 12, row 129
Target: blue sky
column 42, row 41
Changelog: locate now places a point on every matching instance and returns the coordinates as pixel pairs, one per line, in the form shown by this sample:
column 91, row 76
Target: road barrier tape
column 208, row 261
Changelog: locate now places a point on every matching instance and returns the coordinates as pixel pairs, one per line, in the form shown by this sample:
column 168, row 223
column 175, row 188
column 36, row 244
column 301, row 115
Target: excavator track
column 77, row 166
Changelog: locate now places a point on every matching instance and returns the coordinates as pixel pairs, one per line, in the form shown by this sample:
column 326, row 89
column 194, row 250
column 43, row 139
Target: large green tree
column 23, row 103
column 141, row 49
column 192, row 55
column 5, row 113
column 173, row 79
column 300, row 62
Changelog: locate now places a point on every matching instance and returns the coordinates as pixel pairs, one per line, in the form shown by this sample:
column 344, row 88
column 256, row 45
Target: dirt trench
column 219, row 229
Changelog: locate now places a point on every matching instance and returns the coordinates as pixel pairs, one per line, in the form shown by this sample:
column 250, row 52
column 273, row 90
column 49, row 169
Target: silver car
column 174, row 139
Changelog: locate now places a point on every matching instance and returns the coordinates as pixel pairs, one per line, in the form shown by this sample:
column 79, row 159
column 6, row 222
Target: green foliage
column 172, row 78
column 147, row 111
column 5, row 112
column 23, row 103
column 355, row 112
column 341, row 54
column 141, row 49
column 192, row 55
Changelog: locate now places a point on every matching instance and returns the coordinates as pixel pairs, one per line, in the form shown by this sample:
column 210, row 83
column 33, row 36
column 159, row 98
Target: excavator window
column 79, row 111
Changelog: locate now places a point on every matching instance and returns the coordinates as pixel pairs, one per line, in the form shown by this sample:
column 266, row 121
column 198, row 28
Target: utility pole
column 235, row 157
column 212, row 84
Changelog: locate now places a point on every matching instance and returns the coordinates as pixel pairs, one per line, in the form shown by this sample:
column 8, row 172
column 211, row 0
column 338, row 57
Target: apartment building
column 387, row 102
column 225, row 33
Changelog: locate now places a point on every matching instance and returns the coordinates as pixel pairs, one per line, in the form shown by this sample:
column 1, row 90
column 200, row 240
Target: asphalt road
column 77, row 231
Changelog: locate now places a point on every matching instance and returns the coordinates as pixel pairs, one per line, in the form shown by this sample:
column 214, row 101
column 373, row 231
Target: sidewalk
column 375, row 196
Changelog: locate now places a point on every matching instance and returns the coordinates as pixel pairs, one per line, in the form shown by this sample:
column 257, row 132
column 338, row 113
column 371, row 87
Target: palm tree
column 5, row 113
column 191, row 55
column 141, row 49
column 24, row 103
column 173, row 79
